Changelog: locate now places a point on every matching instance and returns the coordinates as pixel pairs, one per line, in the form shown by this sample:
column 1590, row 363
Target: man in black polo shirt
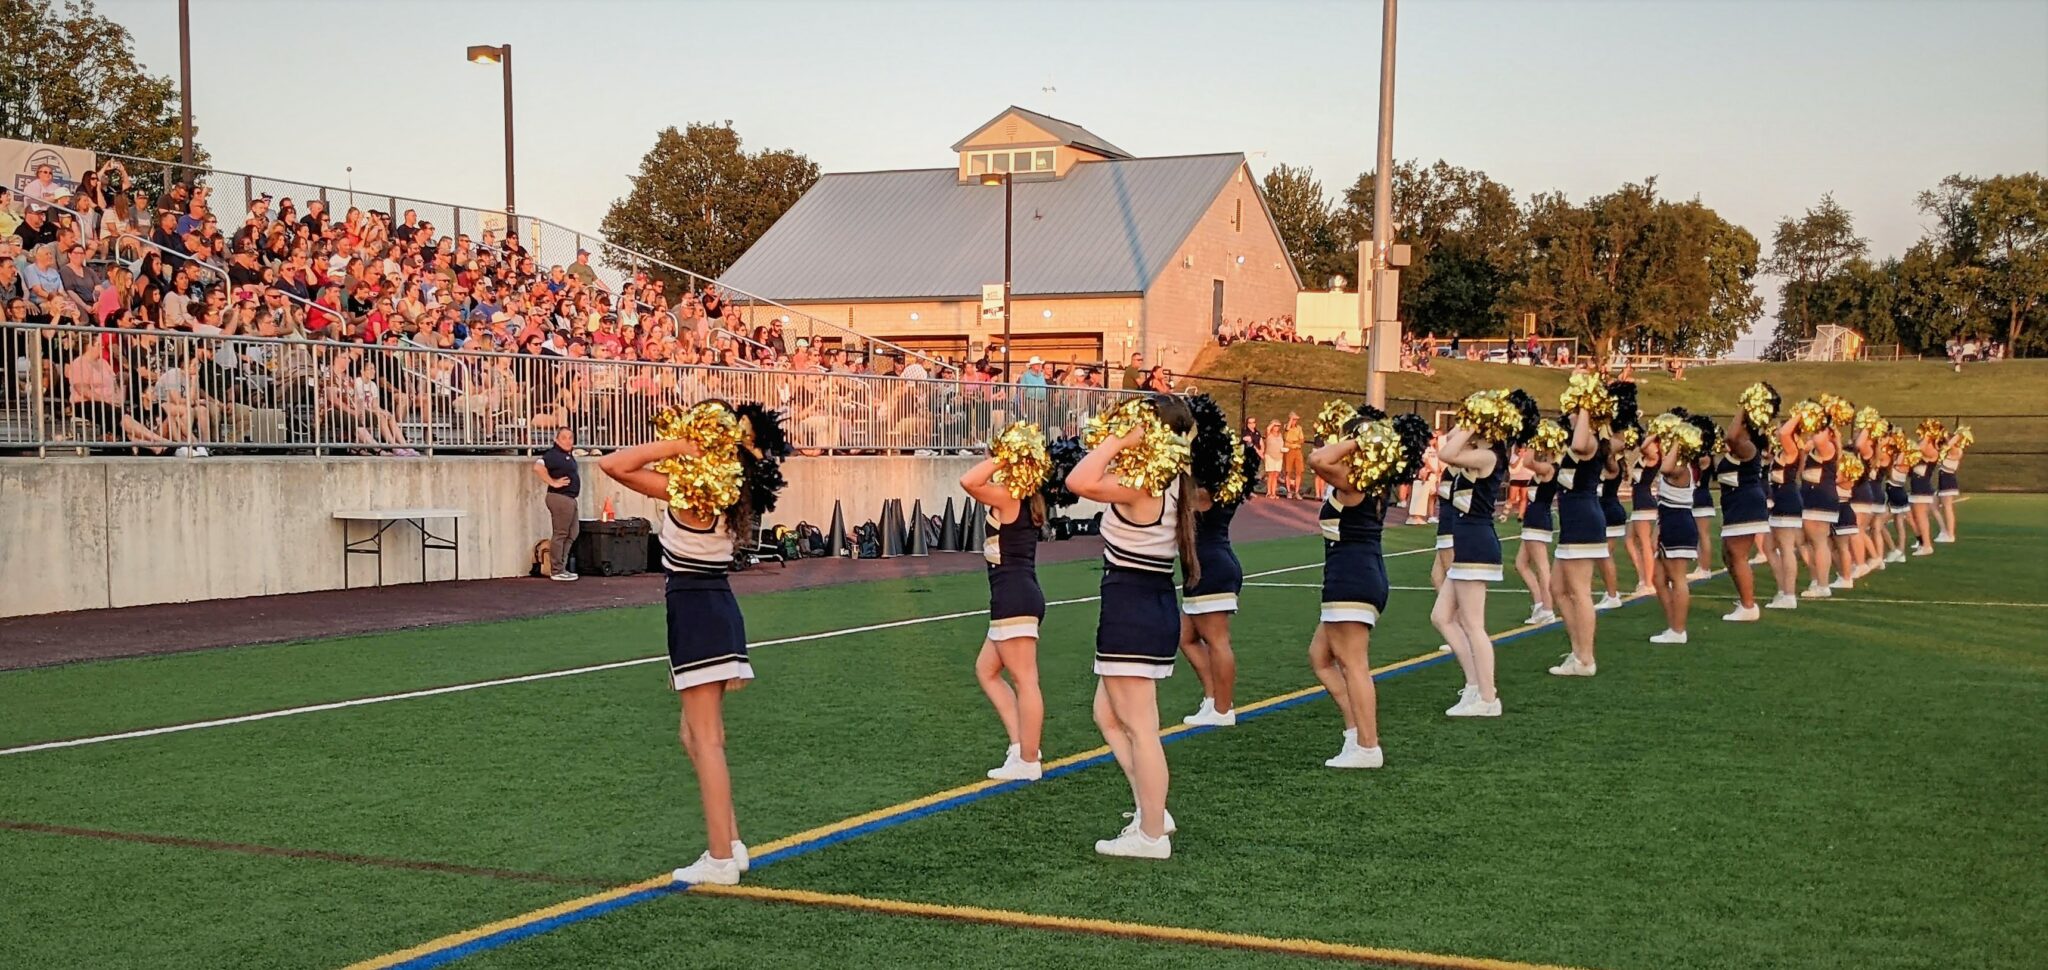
column 557, row 467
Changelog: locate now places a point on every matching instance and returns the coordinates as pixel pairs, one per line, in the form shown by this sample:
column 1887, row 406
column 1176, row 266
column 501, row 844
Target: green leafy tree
column 2008, row 218
column 699, row 200
column 1805, row 251
column 1308, row 223
column 1466, row 239
column 71, row 79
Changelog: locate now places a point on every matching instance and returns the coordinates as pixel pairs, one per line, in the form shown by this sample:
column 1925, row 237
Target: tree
column 1629, row 270
column 1804, row 252
column 1308, row 225
column 2009, row 214
column 1465, row 235
column 72, row 80
column 699, row 201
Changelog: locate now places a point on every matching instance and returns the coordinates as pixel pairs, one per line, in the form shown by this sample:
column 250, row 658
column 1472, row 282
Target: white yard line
column 546, row 675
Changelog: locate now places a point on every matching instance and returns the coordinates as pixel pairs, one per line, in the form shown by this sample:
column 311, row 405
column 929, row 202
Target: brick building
column 1111, row 254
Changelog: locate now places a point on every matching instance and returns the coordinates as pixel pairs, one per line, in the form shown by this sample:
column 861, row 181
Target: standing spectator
column 1033, row 380
column 1274, row 452
column 580, row 270
column 1134, row 375
column 1296, row 466
column 557, row 467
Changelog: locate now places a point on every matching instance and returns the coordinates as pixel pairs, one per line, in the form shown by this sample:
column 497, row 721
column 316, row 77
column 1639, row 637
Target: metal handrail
column 613, row 251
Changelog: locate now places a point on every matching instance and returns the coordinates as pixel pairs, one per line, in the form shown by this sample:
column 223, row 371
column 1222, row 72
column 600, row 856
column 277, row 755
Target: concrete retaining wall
column 86, row 533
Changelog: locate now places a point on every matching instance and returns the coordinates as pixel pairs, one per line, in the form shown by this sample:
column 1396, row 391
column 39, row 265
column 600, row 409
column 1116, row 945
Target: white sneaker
column 1132, row 826
column 564, row 577
column 1354, row 756
column 1816, row 592
column 1758, row 559
column 1669, row 636
column 1015, row 768
column 739, row 855
column 1478, row 708
column 1571, row 667
column 1942, row 538
column 1642, row 590
column 1443, row 648
column 1209, row 716
column 716, row 872
column 1699, row 574
column 1744, row 614
column 1541, row 616
column 1608, row 602
column 1896, row 555
column 1924, row 551
column 1842, row 582
column 1467, row 695
column 1783, row 601
column 1131, row 843
column 1208, row 707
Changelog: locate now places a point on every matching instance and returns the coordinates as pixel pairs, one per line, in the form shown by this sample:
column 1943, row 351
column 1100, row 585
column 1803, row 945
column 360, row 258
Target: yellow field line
column 453, row 940
column 1138, row 931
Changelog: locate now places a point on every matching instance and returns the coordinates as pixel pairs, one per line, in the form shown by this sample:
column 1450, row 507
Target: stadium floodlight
column 501, row 55
column 1009, row 198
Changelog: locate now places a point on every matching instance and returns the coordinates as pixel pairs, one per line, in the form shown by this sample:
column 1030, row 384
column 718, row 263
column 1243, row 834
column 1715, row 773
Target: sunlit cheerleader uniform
column 1614, row 515
column 1355, row 588
column 1845, row 534
column 1678, row 538
column 1920, row 495
column 707, row 640
column 1581, row 535
column 1016, row 606
column 1216, row 590
column 1745, row 511
column 1642, row 522
column 1866, row 499
column 1475, row 554
column 1139, row 635
column 1539, row 527
column 1823, row 503
column 1947, row 488
column 1702, row 513
column 1898, row 503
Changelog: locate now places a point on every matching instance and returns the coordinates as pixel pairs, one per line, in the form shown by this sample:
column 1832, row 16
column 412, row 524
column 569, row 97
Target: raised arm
column 1332, row 463
column 1584, row 444
column 1459, row 450
column 1092, row 478
column 628, row 466
column 981, row 489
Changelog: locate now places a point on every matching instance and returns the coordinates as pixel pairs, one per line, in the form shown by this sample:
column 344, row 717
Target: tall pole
column 1372, row 265
column 1009, row 185
column 505, row 61
column 185, row 84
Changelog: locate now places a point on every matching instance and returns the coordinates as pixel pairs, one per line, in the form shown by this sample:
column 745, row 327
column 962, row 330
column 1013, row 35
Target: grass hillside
column 2011, row 452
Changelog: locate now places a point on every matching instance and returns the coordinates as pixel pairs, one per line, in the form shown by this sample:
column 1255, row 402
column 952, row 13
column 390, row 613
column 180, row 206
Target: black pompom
column 1415, row 435
column 1065, row 454
column 1531, row 414
column 1627, row 412
column 762, row 476
column 1213, row 445
column 1710, row 433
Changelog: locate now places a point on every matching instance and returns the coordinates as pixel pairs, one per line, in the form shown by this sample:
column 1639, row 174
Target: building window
column 977, row 164
column 1044, row 161
column 999, row 163
column 1024, row 162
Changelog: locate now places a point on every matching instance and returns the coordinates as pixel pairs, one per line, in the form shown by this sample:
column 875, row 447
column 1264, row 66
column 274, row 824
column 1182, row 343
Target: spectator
column 1033, row 381
column 1273, row 454
column 43, row 190
column 580, row 270
column 36, row 229
column 1295, row 467
column 8, row 220
column 556, row 468
column 1134, row 374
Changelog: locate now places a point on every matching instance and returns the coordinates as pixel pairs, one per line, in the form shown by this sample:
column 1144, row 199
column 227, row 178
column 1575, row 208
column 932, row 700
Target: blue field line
column 535, row 928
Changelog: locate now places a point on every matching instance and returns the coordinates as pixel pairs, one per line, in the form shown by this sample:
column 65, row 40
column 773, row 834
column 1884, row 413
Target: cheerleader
column 1822, row 507
column 707, row 637
column 1788, row 516
column 1867, row 495
column 1947, row 486
column 1643, row 514
column 1920, row 484
column 1745, row 511
column 1581, row 540
column 1138, row 632
column 1703, row 513
column 1008, row 483
column 1618, row 430
column 1897, row 503
column 1446, row 515
column 1848, row 559
column 1678, row 533
column 1355, row 575
column 1476, row 450
column 1218, row 468
column 1532, row 560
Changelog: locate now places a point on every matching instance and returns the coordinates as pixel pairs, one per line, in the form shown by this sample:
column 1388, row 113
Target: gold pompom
column 1867, row 419
column 1330, row 420
column 1964, row 435
column 1676, row 435
column 1586, row 392
column 1849, row 468
column 1812, row 417
column 1840, row 412
column 1490, row 415
column 1932, row 430
column 1756, row 405
column 708, row 482
column 1155, row 461
column 1233, row 485
column 1379, row 458
column 1551, row 438
column 1022, row 465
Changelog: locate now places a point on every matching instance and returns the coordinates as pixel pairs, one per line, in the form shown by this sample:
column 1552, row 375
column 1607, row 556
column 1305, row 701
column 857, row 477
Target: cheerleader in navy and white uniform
column 1898, row 458
column 1016, row 607
column 1947, row 486
column 1138, row 632
column 707, row 636
column 1867, row 499
column 1642, row 514
column 1921, row 487
column 1703, row 513
column 1678, row 532
column 1480, row 467
column 1219, row 467
column 1539, row 528
column 1745, row 507
column 1581, row 541
column 1612, row 512
column 1848, row 561
column 1823, row 507
column 1788, row 515
column 1355, row 579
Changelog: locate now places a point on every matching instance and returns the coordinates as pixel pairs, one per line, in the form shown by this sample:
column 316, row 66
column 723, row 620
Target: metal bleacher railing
column 119, row 389
column 549, row 242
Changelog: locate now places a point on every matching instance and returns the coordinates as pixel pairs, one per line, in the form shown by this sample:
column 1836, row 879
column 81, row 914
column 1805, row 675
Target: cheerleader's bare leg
column 1470, row 599
column 1127, row 711
column 1205, row 640
column 1735, row 553
column 1348, row 642
column 1820, row 551
column 1572, row 598
column 703, row 737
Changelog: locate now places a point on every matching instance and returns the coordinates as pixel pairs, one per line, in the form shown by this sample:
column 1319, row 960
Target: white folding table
column 384, row 519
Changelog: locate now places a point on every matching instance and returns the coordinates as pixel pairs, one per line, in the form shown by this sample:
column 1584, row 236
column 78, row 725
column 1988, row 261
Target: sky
column 1757, row 108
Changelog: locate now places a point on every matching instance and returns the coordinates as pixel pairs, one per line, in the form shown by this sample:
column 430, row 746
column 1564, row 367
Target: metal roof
column 1066, row 131
column 1107, row 227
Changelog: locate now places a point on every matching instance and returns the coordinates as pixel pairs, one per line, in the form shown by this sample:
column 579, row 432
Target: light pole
column 1009, row 197
column 1383, row 327
column 185, row 86
column 501, row 55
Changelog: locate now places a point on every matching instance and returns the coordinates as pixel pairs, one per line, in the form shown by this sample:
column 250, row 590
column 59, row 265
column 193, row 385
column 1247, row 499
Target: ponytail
column 1184, row 532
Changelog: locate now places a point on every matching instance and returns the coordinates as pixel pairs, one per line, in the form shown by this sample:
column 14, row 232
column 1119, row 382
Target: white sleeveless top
column 1673, row 495
column 695, row 552
column 1150, row 548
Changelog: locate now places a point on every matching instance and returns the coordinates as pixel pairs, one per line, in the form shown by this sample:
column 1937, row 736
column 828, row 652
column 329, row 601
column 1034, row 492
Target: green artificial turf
column 1853, row 784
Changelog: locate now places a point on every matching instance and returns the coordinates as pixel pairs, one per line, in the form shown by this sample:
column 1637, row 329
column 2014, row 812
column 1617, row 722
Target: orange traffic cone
column 608, row 509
